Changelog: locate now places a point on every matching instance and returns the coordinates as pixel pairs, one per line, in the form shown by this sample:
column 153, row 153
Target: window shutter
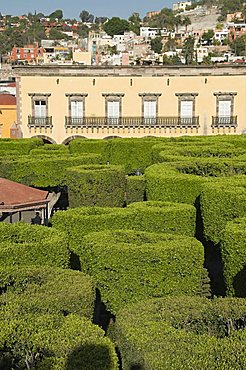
column 40, row 108
column 224, row 108
column 150, row 109
column 186, row 109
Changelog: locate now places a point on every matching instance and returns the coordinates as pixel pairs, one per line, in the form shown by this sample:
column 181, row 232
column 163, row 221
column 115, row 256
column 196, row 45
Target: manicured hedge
column 47, row 149
column 221, row 202
column 23, row 244
column 22, row 146
column 135, row 189
column 54, row 342
column 233, row 252
column 182, row 333
column 133, row 154
column 36, row 290
column 147, row 216
column 165, row 183
column 130, row 265
column 103, row 186
column 42, row 172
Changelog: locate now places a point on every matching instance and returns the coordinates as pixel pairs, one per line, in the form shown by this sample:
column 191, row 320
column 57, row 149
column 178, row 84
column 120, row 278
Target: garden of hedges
column 143, row 265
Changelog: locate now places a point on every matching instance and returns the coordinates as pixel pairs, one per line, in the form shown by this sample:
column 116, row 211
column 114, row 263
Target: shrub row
column 135, row 189
column 144, row 216
column 233, row 252
column 54, row 342
column 42, row 172
column 102, row 186
column 48, row 149
column 130, row 266
column 182, row 333
column 22, row 244
column 36, row 290
column 20, row 146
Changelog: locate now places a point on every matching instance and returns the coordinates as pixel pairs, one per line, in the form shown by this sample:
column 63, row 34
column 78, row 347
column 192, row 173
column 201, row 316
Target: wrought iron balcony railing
column 40, row 122
column 224, row 121
column 134, row 122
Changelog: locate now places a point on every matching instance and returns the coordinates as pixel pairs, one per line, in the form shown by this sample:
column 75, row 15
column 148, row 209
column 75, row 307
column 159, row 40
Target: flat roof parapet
column 131, row 71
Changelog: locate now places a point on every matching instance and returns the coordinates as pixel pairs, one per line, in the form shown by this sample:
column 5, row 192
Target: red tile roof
column 13, row 193
column 7, row 99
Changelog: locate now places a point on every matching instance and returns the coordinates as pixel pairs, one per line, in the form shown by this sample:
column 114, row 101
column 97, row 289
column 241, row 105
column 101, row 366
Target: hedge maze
column 145, row 270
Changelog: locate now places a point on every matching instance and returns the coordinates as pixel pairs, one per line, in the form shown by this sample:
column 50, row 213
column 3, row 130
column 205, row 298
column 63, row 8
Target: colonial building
column 59, row 103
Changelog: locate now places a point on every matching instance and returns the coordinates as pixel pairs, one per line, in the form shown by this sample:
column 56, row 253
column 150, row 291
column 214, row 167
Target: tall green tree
column 116, row 26
column 86, row 17
column 156, row 44
column 56, row 14
column 188, row 50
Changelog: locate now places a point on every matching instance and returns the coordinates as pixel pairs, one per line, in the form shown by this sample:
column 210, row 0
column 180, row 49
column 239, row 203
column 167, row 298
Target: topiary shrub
column 130, row 265
column 36, row 290
column 182, row 333
column 221, row 202
column 233, row 252
column 135, row 189
column 54, row 342
column 42, row 172
column 158, row 217
column 20, row 146
column 103, row 186
column 23, row 244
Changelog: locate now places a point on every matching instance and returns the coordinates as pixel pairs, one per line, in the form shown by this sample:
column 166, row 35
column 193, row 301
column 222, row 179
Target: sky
column 72, row 8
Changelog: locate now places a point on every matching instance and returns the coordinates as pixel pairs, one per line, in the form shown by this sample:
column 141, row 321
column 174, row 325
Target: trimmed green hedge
column 222, row 202
column 233, row 253
column 165, row 183
column 182, row 333
column 42, row 172
column 36, row 290
column 48, row 149
column 103, row 186
column 54, row 342
column 158, row 217
column 23, row 244
column 22, row 146
column 130, row 266
column 135, row 189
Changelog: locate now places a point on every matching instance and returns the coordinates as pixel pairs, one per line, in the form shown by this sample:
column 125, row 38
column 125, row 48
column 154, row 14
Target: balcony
column 39, row 122
column 132, row 122
column 224, row 121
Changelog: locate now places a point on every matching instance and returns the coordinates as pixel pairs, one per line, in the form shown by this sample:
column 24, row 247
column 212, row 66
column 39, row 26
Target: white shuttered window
column 224, row 108
column 186, row 109
column 77, row 109
column 40, row 108
column 113, row 109
column 150, row 109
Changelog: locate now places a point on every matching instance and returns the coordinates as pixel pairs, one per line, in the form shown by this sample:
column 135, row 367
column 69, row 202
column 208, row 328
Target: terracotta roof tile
column 7, row 99
column 12, row 193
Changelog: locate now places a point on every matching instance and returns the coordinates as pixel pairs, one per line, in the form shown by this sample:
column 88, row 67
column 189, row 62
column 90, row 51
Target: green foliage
column 156, row 44
column 157, row 217
column 86, row 17
column 220, row 203
column 23, row 244
column 116, row 26
column 135, row 189
column 102, row 186
column 233, row 252
column 56, row 14
column 141, row 265
column 42, row 171
column 54, row 342
column 182, row 333
column 47, row 149
column 19, row 146
column 188, row 50
column 37, row 290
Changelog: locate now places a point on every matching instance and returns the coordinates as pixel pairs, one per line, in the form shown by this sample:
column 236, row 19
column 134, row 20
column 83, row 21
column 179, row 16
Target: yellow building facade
column 59, row 103
column 8, row 115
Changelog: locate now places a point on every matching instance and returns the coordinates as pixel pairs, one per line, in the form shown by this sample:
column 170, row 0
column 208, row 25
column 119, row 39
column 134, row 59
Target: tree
column 239, row 45
column 100, row 20
column 86, row 17
column 156, row 44
column 186, row 22
column 83, row 31
column 116, row 26
column 56, row 14
column 135, row 22
column 208, row 37
column 188, row 50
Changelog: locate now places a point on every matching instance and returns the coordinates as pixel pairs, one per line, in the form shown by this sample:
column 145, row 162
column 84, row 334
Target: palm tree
column 186, row 22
